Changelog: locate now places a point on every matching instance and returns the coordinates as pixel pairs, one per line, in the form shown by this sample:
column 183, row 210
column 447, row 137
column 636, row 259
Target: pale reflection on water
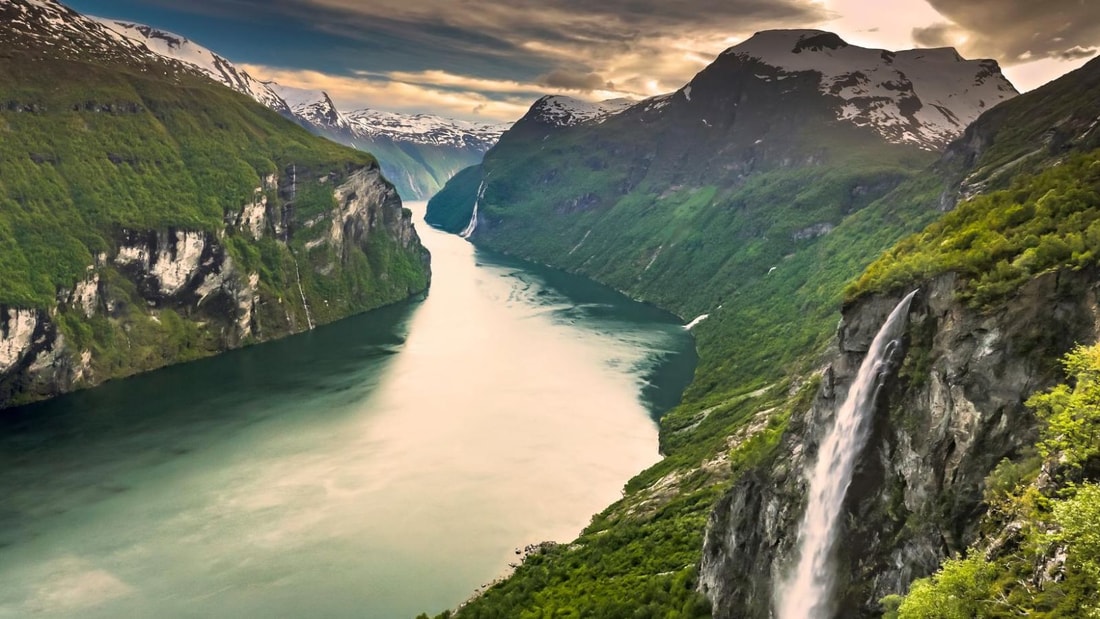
column 379, row 467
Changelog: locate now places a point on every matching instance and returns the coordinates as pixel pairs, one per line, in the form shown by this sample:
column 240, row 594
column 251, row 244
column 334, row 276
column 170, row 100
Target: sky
column 488, row 60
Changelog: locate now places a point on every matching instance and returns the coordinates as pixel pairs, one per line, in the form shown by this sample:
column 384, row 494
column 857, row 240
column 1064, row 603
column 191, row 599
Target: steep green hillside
column 1036, row 161
column 700, row 221
column 1000, row 240
column 694, row 224
column 1040, row 553
column 418, row 171
column 149, row 215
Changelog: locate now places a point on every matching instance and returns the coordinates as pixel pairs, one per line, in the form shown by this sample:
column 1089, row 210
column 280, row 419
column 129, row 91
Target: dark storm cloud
column 520, row 36
column 937, row 35
column 571, row 80
column 485, row 57
column 1016, row 31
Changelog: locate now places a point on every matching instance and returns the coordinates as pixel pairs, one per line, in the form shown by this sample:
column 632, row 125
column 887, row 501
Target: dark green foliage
column 109, row 147
column 999, row 241
column 72, row 179
column 459, row 195
column 1016, row 571
column 725, row 218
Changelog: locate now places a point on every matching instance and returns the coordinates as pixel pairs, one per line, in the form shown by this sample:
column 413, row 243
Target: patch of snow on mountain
column 55, row 30
column 924, row 96
column 425, row 129
column 180, row 48
column 565, row 111
column 313, row 106
column 50, row 28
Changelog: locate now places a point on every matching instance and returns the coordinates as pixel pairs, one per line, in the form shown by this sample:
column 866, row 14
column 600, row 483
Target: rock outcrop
column 950, row 414
column 156, row 283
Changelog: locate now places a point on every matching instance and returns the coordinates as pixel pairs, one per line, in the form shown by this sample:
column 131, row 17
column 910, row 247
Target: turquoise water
column 378, row 467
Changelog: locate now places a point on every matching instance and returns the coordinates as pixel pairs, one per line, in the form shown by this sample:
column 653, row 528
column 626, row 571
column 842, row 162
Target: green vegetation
column 418, row 171
column 766, row 256
column 761, row 224
column 1041, row 556
column 90, row 150
column 168, row 156
column 999, row 241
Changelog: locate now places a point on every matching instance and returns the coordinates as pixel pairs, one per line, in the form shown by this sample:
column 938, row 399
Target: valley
column 810, row 334
column 369, row 468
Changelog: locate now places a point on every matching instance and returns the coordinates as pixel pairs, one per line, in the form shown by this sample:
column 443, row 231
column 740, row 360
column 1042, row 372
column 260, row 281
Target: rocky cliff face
column 952, row 411
column 155, row 284
column 1028, row 133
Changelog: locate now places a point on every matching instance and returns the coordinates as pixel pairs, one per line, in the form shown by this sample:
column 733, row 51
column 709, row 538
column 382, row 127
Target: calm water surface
column 379, row 467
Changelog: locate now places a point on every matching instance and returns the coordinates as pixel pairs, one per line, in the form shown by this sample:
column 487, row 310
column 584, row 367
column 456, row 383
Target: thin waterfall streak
column 806, row 591
column 472, row 226
column 305, row 304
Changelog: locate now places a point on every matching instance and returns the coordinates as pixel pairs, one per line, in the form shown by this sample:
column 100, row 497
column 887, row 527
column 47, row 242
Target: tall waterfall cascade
column 472, row 226
column 806, row 591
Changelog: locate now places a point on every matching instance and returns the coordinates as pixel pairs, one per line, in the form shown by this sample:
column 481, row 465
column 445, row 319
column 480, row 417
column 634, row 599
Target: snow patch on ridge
column 925, row 97
column 562, row 111
column 698, row 319
column 176, row 47
column 426, row 129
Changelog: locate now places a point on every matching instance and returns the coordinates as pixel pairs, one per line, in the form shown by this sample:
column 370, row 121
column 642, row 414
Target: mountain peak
column 794, row 40
column 564, row 111
column 313, row 106
column 176, row 47
column 49, row 29
column 925, row 97
column 819, row 42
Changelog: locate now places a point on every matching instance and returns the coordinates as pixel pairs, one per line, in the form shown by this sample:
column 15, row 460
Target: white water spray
column 470, row 227
column 305, row 304
column 806, row 592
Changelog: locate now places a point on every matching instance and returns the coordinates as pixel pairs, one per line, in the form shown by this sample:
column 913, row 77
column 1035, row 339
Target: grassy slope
column 1000, row 240
column 418, row 171
column 692, row 243
column 770, row 324
column 1040, row 170
column 174, row 151
column 1040, row 553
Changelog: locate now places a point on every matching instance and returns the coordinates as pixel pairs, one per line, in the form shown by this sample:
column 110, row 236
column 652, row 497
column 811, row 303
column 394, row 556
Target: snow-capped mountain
column 216, row 67
column 800, row 112
column 426, row 129
column 562, row 111
column 418, row 153
column 56, row 31
column 925, row 97
column 313, row 107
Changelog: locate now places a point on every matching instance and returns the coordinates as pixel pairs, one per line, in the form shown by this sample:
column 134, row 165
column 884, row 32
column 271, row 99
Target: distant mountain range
column 922, row 97
column 773, row 189
column 418, row 153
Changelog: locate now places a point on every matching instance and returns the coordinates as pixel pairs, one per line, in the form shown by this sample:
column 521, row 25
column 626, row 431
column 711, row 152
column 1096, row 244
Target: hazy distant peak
column 925, row 97
column 563, row 111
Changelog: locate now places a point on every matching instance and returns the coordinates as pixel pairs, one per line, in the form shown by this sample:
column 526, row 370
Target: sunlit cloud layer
column 487, row 60
column 1017, row 31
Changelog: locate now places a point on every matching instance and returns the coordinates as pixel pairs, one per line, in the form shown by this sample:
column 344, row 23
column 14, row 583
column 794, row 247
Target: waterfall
column 470, row 227
column 305, row 304
column 806, row 591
